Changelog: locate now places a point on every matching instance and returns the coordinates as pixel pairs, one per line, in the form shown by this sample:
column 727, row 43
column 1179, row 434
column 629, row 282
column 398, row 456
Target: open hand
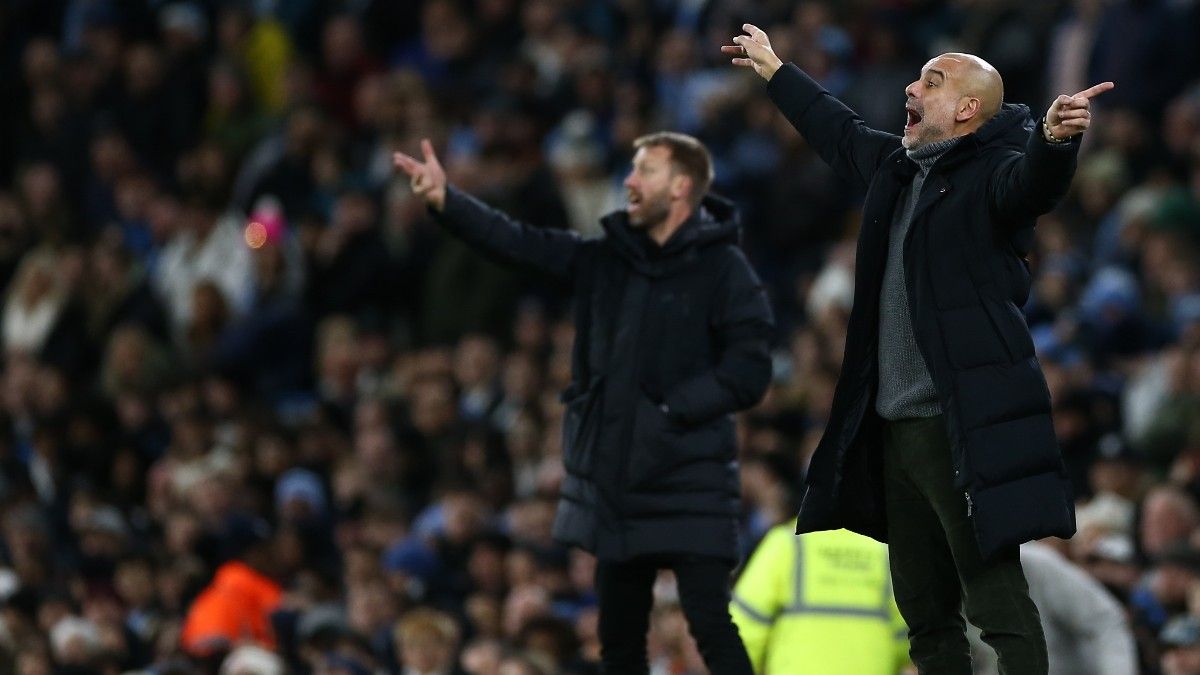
column 753, row 50
column 428, row 178
column 1069, row 115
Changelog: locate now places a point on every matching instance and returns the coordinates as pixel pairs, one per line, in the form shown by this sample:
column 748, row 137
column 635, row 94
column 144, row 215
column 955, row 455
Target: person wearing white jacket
column 1086, row 630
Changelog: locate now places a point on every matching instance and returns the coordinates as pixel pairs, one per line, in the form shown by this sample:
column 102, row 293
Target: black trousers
column 626, row 596
column 936, row 567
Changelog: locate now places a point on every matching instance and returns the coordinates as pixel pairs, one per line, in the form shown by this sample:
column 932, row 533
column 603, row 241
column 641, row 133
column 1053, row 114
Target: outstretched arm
column 840, row 136
column 494, row 232
column 1030, row 184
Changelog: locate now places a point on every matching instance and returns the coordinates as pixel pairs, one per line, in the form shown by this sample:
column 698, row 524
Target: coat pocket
column 667, row 455
column 580, row 428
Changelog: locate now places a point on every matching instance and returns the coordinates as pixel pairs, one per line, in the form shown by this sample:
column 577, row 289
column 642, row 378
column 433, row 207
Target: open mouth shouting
column 914, row 117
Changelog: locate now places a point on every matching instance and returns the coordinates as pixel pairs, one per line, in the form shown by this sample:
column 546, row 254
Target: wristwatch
column 1051, row 138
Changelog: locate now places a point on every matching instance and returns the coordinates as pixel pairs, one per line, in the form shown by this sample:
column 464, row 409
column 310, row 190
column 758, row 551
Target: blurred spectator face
column 46, row 108
column 1182, row 661
column 582, row 571
column 484, row 613
column 134, row 581
column 376, row 450
column 676, row 53
column 354, row 212
column 12, row 223
column 1168, row 517
column 521, row 567
column 446, row 31
column 40, row 188
column 208, row 305
column 531, row 330
column 524, row 438
column 341, row 45
column 143, row 69
column 1171, row 584
column 272, row 456
column 233, row 23
column 476, row 362
column 521, row 381
column 524, row 603
column 486, row 567
column 226, row 89
column 304, row 131
column 33, row 662
column 164, row 214
column 433, row 408
column 111, row 156
column 532, row 521
column 652, row 185
column 134, row 194
column 75, row 641
column 338, row 355
column 482, row 657
column 464, row 516
column 370, row 103
column 370, row 606
column 182, row 533
column 426, row 640
column 40, row 62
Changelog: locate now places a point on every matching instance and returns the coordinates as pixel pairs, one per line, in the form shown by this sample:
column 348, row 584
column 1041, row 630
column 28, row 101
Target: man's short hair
column 688, row 156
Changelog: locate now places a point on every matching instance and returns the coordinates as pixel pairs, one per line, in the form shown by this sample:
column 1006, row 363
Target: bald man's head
column 956, row 94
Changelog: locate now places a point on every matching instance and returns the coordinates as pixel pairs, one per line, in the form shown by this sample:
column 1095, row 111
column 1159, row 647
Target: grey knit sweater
column 905, row 387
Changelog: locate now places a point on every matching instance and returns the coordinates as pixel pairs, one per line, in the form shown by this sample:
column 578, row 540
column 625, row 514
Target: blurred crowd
column 259, row 416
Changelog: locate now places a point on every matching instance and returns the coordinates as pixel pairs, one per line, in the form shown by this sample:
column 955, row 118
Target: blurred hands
column 753, row 50
column 428, row 178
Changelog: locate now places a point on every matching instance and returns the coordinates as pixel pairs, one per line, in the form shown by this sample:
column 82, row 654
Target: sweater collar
column 927, row 155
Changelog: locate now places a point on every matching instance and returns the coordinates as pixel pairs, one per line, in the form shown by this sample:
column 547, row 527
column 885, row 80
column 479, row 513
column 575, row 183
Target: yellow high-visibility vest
column 819, row 604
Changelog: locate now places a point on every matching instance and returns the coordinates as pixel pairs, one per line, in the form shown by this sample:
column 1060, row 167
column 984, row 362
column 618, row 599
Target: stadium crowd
column 258, row 415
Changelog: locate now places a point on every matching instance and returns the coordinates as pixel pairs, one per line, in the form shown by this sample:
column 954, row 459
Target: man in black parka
column 940, row 440
column 672, row 336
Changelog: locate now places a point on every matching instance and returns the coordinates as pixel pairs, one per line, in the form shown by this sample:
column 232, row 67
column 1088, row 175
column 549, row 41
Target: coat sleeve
column 836, row 132
column 508, row 240
column 762, row 592
column 744, row 325
column 1026, row 185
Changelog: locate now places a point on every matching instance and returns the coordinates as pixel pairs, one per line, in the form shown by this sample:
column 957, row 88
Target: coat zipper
column 970, row 505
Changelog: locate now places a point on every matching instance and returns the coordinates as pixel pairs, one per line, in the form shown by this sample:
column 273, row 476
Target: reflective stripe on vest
column 800, row 604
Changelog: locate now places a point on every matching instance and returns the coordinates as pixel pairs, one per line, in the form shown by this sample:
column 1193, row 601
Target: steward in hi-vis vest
column 819, row 603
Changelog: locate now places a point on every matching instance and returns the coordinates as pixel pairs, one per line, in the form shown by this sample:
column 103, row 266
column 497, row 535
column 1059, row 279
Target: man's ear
column 968, row 107
column 681, row 186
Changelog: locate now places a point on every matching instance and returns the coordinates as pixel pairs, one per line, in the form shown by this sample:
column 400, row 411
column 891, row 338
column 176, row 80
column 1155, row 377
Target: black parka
column 669, row 342
column 966, row 279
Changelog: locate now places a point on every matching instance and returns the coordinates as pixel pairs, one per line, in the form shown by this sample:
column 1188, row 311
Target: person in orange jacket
column 235, row 607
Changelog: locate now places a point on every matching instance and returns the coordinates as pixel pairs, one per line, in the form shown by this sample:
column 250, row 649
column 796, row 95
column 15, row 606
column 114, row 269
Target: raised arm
column 836, row 132
column 1027, row 185
column 491, row 230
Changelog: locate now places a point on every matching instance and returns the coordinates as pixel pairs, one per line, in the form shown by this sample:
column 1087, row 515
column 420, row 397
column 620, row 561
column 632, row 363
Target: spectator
column 390, row 403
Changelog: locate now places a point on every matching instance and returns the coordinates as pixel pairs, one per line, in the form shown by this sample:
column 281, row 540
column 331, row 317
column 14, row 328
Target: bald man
column 940, row 439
